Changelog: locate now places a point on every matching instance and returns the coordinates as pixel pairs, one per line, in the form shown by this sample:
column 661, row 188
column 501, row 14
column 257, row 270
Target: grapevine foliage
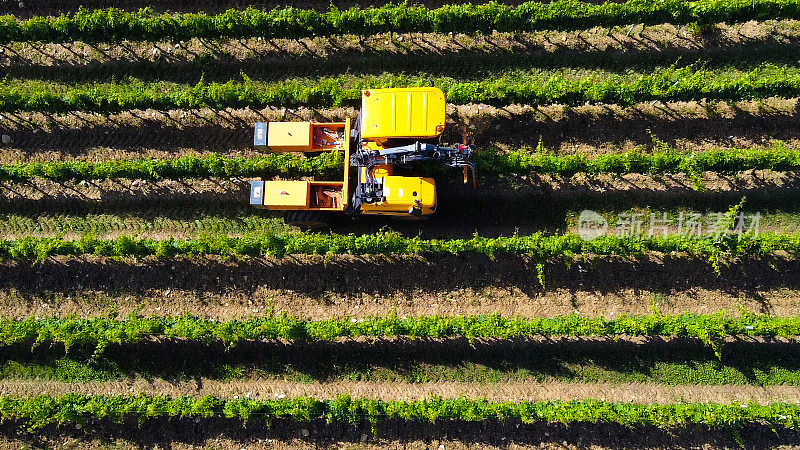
column 116, row 25
column 490, row 163
column 36, row 412
column 100, row 332
column 537, row 245
column 672, row 83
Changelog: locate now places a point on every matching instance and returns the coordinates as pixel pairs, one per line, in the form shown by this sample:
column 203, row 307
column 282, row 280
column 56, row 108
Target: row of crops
column 100, row 332
column 116, row 25
column 672, row 83
column 715, row 248
column 41, row 411
column 490, row 163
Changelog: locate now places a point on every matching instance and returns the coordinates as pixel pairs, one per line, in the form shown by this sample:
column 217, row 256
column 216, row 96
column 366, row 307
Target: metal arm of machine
column 416, row 152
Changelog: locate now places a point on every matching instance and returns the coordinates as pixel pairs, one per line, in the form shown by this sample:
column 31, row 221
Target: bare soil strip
column 383, row 276
column 589, row 129
column 180, row 435
column 122, row 192
column 514, row 205
column 322, row 287
column 229, row 435
column 616, row 50
column 595, row 46
column 488, row 300
column 269, row 389
column 492, row 210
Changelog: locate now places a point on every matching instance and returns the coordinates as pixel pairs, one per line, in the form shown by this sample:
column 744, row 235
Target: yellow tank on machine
column 395, row 130
column 401, row 194
column 402, row 113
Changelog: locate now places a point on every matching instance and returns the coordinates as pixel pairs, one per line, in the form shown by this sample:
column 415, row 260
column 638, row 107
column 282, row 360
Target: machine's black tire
column 307, row 219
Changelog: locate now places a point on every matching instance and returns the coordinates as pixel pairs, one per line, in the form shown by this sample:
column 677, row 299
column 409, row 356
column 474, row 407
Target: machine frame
column 396, row 128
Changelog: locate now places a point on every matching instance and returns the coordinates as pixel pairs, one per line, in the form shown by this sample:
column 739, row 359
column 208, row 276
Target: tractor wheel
column 307, row 219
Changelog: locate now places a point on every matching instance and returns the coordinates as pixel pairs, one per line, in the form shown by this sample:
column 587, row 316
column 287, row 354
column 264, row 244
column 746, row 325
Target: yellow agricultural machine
column 396, row 130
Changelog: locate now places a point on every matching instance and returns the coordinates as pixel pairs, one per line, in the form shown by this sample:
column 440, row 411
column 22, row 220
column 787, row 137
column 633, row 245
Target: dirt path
column 123, row 193
column 268, row 389
column 380, row 275
column 185, row 208
column 189, row 435
column 595, row 46
column 588, row 129
column 517, row 205
column 669, row 186
column 616, row 50
column 488, row 300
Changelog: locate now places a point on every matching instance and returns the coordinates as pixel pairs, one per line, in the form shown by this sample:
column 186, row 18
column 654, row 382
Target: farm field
column 145, row 304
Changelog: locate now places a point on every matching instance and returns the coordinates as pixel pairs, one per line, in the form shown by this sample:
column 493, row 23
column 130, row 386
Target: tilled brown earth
column 525, row 205
column 122, row 192
column 348, row 285
column 588, row 129
column 655, row 190
column 231, row 435
column 187, row 208
column 509, row 300
column 597, row 46
column 501, row 392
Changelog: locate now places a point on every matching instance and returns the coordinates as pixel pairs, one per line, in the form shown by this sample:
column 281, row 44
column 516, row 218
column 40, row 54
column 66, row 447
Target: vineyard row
column 36, row 412
column 143, row 25
column 672, row 83
column 490, row 163
column 101, row 332
column 720, row 247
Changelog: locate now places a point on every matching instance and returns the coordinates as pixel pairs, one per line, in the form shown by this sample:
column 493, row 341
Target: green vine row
column 501, row 89
column 100, row 332
column 33, row 413
column 117, row 25
column 537, row 246
column 270, row 165
column 490, row 163
column 777, row 158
